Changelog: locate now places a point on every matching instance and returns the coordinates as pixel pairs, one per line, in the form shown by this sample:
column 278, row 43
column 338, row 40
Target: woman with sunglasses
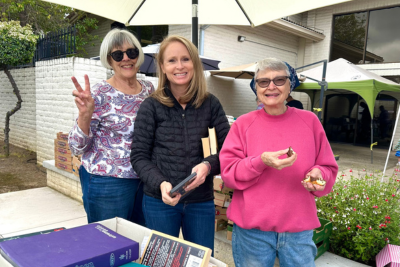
column 273, row 209
column 167, row 145
column 103, row 132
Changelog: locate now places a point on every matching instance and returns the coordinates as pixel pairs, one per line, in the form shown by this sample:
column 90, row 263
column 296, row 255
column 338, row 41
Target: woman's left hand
column 202, row 171
column 314, row 173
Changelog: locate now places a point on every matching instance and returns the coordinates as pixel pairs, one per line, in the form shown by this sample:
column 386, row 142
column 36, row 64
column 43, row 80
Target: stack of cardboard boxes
column 64, row 159
column 222, row 199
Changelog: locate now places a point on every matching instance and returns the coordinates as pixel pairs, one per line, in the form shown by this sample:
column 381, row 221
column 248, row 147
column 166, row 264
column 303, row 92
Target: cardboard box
column 220, row 213
column 388, row 256
column 62, row 151
column 67, row 158
column 219, row 185
column 62, row 136
column 220, row 225
column 129, row 230
column 63, row 166
column 76, row 164
column 219, row 199
column 61, row 143
column 139, row 234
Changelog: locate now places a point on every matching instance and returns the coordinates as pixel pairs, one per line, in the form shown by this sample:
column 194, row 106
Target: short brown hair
column 197, row 87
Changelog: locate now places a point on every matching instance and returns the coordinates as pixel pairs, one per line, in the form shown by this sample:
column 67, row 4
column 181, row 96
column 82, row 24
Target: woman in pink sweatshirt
column 273, row 209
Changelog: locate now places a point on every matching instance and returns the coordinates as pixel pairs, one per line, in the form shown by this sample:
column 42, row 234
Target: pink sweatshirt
column 266, row 198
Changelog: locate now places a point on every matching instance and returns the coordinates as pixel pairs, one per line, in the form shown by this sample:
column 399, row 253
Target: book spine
column 116, row 258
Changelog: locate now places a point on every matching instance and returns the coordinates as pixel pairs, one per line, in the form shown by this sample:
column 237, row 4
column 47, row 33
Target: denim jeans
column 258, row 248
column 196, row 219
column 106, row 197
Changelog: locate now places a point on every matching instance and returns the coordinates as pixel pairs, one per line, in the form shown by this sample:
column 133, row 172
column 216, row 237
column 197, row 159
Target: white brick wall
column 23, row 122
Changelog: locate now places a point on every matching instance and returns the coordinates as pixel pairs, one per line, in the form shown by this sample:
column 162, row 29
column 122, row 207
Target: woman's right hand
column 272, row 159
column 165, row 188
column 85, row 104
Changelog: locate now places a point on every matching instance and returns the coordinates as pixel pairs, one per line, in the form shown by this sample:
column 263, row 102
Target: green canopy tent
column 345, row 78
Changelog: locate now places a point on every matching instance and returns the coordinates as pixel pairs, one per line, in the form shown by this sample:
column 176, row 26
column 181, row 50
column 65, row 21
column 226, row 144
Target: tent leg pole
column 391, row 143
column 372, row 138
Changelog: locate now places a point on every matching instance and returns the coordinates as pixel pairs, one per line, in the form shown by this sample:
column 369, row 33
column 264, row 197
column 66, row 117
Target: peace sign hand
column 83, row 98
column 85, row 104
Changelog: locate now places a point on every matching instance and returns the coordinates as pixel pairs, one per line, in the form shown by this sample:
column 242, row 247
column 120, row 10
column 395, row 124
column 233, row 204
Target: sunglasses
column 278, row 81
column 118, row 55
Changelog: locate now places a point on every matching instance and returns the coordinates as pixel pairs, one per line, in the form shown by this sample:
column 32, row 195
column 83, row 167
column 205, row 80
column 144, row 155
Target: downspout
column 201, row 42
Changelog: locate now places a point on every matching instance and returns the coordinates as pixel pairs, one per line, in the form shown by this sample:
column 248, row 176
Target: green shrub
column 364, row 213
column 17, row 44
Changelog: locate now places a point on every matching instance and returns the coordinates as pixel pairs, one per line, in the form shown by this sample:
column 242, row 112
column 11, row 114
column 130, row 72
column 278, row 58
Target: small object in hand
column 318, row 181
column 290, row 152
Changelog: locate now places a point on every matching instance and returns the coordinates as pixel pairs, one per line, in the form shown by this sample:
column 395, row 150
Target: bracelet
column 208, row 165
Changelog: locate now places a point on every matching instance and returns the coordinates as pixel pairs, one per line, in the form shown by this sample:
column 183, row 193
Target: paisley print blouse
column 107, row 148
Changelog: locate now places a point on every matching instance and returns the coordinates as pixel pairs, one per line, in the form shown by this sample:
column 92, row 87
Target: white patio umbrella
column 207, row 12
column 238, row 72
column 149, row 64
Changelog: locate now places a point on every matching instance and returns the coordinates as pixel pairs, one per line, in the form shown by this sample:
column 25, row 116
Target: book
column 165, row 250
column 87, row 245
column 31, row 234
column 181, row 187
column 206, row 146
column 213, row 141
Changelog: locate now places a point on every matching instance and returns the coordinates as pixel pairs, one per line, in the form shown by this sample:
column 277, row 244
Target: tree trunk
column 11, row 112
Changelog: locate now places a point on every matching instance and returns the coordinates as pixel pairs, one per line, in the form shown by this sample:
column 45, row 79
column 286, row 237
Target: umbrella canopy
column 214, row 12
column 237, row 72
column 344, row 77
column 149, row 65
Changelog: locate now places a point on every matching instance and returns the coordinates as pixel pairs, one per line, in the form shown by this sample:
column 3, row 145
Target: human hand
column 201, row 171
column 272, row 159
column 165, row 188
column 83, row 98
column 314, row 173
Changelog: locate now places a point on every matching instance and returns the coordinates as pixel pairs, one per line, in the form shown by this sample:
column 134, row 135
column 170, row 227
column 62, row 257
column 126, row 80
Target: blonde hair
column 197, row 86
column 117, row 38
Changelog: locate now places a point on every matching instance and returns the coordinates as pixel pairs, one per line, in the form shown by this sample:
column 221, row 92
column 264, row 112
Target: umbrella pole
column 321, row 97
column 391, row 143
column 195, row 23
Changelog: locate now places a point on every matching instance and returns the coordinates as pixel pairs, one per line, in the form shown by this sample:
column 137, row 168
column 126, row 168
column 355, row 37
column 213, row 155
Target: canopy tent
column 343, row 77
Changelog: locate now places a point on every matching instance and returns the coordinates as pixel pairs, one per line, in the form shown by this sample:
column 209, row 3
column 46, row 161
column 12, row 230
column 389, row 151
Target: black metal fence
column 56, row 44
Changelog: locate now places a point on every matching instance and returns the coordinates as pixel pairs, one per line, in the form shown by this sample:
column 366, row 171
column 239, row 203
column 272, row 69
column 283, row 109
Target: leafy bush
column 17, row 44
column 364, row 213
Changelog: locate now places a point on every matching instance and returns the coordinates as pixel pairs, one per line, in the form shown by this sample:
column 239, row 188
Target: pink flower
column 367, row 198
column 370, row 228
column 334, row 207
column 393, row 195
column 387, row 239
column 337, row 193
column 348, row 228
column 354, row 209
column 359, row 227
column 375, row 207
column 351, row 170
column 386, row 200
column 370, row 174
column 336, row 211
column 364, row 170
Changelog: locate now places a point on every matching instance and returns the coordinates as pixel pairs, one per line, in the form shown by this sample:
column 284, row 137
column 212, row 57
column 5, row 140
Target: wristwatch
column 208, row 165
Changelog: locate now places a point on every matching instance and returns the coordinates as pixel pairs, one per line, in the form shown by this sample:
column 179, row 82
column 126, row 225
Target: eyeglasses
column 118, row 55
column 278, row 81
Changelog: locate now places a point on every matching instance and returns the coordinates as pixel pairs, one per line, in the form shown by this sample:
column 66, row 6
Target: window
column 367, row 37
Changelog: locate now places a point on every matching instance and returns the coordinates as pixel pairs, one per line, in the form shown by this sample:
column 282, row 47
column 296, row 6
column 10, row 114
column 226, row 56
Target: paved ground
column 359, row 158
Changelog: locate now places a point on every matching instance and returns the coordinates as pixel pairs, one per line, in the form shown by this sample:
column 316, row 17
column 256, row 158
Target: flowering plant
column 17, row 44
column 364, row 213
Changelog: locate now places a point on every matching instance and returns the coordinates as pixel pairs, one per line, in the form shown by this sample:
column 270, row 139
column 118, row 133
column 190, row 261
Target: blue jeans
column 106, row 197
column 258, row 248
column 196, row 219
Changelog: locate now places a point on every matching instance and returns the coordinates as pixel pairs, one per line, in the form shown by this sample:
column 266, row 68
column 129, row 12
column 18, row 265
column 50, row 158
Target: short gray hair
column 271, row 64
column 117, row 38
